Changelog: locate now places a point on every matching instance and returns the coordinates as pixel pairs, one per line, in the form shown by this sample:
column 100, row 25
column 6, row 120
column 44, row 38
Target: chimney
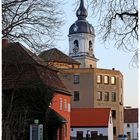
column 4, row 42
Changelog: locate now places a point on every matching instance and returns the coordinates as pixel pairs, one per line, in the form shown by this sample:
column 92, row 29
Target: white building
column 131, row 123
column 93, row 122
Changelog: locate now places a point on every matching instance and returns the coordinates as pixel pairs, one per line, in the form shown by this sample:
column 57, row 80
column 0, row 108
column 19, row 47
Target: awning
column 55, row 118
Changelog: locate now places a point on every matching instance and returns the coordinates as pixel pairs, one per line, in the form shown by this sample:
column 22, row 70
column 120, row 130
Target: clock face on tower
column 75, row 27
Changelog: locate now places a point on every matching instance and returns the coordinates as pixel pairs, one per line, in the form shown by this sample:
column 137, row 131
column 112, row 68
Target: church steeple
column 81, row 12
column 81, row 39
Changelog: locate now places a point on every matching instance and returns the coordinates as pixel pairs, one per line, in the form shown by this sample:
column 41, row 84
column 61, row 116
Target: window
column 106, row 96
column 76, row 46
column 76, row 79
column 113, row 96
column 76, row 95
column 106, row 79
column 114, row 114
column 65, row 105
column 79, row 135
column 114, row 130
column 68, row 107
column 60, row 103
column 113, row 80
column 99, row 79
column 90, row 46
column 128, row 125
column 76, row 43
column 99, row 96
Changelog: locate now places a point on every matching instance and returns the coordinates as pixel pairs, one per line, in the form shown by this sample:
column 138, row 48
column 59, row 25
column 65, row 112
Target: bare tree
column 34, row 22
column 118, row 21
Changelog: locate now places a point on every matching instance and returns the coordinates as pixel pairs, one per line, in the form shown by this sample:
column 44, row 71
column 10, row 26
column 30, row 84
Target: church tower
column 81, row 39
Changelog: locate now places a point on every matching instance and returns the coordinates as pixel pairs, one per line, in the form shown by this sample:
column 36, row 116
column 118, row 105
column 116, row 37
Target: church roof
column 81, row 25
column 55, row 55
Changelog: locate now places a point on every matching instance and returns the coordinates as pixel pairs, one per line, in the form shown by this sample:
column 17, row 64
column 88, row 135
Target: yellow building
column 90, row 86
column 95, row 87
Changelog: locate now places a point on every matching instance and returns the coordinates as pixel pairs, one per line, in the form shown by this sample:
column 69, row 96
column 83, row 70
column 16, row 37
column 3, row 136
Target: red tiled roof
column 90, row 117
column 131, row 115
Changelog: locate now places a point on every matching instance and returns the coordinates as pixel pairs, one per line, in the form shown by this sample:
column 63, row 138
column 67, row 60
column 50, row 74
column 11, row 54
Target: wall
column 133, row 129
column 102, row 130
column 118, row 88
column 63, row 112
column 85, row 87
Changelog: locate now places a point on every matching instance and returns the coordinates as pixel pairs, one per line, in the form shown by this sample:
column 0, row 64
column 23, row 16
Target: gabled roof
column 17, row 52
column 131, row 115
column 55, row 55
column 90, row 117
column 21, row 68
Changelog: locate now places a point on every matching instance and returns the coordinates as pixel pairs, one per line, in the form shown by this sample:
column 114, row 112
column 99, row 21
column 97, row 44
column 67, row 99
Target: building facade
column 61, row 104
column 90, row 86
column 131, row 123
column 92, row 125
column 97, row 88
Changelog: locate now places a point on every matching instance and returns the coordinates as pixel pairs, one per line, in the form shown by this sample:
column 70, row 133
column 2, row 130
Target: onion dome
column 81, row 12
column 81, row 25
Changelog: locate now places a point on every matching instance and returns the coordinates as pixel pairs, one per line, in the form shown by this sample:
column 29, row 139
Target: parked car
column 122, row 137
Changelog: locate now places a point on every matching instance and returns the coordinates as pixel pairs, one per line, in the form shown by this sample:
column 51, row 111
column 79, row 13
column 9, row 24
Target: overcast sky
column 108, row 56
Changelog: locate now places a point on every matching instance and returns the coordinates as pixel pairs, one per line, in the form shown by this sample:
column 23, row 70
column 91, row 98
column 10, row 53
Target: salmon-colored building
column 61, row 104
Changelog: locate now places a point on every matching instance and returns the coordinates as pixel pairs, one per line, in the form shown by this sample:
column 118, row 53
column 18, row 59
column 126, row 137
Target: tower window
column 90, row 65
column 90, row 46
column 76, row 46
column 76, row 43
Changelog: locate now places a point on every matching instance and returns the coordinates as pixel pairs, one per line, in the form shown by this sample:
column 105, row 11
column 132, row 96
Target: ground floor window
column 79, row 134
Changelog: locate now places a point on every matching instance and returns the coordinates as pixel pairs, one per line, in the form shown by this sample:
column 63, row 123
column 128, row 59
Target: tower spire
column 81, row 13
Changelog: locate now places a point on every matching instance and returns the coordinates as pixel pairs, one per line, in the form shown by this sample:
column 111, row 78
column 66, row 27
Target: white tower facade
column 81, row 40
